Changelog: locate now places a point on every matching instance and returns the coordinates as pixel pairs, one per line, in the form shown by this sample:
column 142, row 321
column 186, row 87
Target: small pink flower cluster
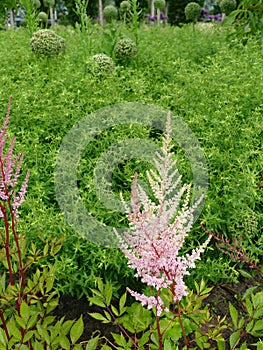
column 10, row 167
column 158, row 230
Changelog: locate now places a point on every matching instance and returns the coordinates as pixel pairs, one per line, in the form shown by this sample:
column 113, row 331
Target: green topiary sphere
column 49, row 3
column 192, row 11
column 159, row 4
column 36, row 3
column 43, row 17
column 125, row 50
column 110, row 13
column 227, row 6
column 46, row 43
column 125, row 6
column 100, row 64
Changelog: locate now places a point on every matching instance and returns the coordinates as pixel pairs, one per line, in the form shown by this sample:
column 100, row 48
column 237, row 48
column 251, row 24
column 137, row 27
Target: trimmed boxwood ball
column 192, row 11
column 100, row 64
column 125, row 50
column 159, row 4
column 227, row 6
column 46, row 43
column 43, row 17
column 125, row 6
column 110, row 13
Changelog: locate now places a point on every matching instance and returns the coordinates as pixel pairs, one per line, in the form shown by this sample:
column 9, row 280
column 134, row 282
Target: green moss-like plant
column 159, row 4
column 227, row 6
column 192, row 11
column 125, row 50
column 110, row 13
column 46, row 43
column 100, row 64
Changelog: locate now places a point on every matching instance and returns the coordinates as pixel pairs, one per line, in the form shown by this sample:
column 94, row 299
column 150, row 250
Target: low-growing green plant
column 138, row 325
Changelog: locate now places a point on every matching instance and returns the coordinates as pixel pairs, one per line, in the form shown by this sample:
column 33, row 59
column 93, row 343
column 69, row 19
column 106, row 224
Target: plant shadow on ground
column 218, row 301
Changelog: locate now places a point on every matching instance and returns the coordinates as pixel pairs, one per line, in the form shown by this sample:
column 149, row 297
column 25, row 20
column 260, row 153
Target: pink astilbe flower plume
column 10, row 167
column 158, row 229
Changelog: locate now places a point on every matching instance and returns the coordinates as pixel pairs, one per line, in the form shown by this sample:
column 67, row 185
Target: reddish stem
column 182, row 325
column 4, row 325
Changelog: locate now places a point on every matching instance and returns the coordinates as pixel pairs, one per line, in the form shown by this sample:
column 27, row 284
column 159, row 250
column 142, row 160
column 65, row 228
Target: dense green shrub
column 46, row 43
column 227, row 6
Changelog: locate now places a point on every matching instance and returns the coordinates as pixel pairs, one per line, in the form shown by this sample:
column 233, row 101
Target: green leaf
column 114, row 310
column 64, row 342
column 65, row 327
column 105, row 347
column 24, row 311
column 97, row 301
column 21, row 322
column 120, row 340
column 38, row 346
column 122, row 303
column 249, row 307
column 92, row 343
column 250, row 326
column 245, row 274
column 12, row 329
column 28, row 336
column 99, row 317
column 258, row 326
column 234, row 315
column 167, row 345
column 260, row 345
column 234, row 339
column 3, row 339
column 108, row 293
column 108, row 316
column 248, row 292
column 77, row 330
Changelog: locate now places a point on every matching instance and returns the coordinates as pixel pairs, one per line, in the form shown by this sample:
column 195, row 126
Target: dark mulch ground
column 218, row 300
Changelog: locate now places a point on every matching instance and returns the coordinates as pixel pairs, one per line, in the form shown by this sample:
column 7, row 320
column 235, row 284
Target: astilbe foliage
column 158, row 229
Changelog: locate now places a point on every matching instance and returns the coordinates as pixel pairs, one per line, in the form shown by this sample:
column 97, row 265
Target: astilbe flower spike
column 158, row 230
column 10, row 167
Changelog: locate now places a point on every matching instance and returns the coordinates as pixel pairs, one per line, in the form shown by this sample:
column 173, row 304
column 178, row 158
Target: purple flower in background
column 162, row 16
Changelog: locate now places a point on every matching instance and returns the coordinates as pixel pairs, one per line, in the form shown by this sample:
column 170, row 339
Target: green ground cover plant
column 215, row 89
